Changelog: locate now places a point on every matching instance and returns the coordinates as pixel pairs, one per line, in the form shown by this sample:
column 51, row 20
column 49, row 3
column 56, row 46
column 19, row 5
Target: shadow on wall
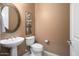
column 52, row 23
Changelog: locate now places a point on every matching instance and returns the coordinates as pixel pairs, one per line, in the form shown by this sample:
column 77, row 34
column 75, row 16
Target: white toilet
column 36, row 48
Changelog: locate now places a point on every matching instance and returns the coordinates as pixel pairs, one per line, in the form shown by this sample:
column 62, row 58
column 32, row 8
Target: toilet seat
column 37, row 47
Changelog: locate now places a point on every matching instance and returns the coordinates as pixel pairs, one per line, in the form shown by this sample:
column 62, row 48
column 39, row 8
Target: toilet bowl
column 35, row 48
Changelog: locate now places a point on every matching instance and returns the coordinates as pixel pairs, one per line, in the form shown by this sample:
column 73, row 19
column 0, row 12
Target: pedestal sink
column 12, row 43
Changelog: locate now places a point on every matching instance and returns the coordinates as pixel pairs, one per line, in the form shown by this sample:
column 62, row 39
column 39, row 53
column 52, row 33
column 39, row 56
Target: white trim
column 46, row 52
column 50, row 54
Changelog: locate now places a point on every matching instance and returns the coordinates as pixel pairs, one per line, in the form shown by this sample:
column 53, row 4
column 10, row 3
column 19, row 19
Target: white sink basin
column 12, row 43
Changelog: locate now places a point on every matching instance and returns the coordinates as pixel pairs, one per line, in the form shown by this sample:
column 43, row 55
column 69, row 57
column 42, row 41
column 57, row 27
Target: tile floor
column 28, row 54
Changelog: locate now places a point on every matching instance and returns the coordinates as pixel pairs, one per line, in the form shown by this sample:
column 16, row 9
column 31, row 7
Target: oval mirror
column 10, row 18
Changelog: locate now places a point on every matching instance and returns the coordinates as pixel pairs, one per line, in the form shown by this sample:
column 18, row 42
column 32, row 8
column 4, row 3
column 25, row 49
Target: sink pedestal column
column 13, row 51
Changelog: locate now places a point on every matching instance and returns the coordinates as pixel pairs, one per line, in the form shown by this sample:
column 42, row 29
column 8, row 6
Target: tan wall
column 22, row 8
column 52, row 23
column 21, row 30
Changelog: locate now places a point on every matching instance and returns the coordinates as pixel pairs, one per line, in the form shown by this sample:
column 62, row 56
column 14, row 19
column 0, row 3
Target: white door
column 74, row 29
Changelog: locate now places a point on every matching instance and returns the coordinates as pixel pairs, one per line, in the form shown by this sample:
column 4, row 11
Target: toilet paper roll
column 46, row 41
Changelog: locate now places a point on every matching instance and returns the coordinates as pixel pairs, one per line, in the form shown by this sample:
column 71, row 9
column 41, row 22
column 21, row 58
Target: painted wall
column 52, row 23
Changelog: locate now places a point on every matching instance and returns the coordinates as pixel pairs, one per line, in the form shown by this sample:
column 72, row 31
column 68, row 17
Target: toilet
column 35, row 48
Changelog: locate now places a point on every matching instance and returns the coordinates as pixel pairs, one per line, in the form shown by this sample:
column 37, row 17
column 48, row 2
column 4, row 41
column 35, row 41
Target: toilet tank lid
column 30, row 37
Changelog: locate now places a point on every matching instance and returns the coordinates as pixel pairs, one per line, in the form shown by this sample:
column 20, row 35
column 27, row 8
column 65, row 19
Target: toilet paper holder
column 46, row 41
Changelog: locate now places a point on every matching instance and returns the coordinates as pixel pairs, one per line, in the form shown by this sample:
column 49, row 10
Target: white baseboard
column 49, row 53
column 46, row 52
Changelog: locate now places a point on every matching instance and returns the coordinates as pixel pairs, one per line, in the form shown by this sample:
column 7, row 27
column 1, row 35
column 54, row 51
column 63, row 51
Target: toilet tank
column 30, row 40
